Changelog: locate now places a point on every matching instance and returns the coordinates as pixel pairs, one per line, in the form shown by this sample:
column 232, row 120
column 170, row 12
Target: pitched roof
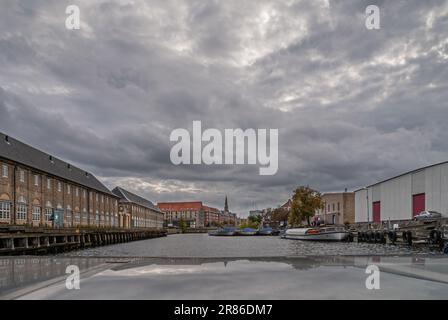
column 403, row 174
column 17, row 151
column 176, row 206
column 133, row 198
column 287, row 204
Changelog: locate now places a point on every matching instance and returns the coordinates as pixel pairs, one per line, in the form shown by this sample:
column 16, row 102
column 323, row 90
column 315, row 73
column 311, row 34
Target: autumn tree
column 279, row 215
column 305, row 202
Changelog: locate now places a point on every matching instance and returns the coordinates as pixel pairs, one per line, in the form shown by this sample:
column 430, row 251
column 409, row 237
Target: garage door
column 376, row 208
column 418, row 203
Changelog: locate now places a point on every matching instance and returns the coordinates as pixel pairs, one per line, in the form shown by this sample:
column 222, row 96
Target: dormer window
column 51, row 159
column 7, row 139
column 69, row 167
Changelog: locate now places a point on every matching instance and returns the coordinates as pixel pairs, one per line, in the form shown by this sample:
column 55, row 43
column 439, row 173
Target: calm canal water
column 203, row 245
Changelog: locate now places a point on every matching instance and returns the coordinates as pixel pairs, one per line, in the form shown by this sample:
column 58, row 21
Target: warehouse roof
column 17, row 151
column 403, row 174
column 133, row 198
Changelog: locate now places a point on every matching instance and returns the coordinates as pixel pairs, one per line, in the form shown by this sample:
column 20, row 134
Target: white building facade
column 404, row 196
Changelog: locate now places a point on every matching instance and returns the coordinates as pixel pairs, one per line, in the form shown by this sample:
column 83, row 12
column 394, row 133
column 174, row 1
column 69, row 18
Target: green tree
column 305, row 202
column 182, row 225
column 254, row 220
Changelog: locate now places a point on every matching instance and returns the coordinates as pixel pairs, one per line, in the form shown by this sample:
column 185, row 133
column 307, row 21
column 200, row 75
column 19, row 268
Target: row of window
column 5, row 174
column 139, row 222
column 332, row 207
column 21, row 214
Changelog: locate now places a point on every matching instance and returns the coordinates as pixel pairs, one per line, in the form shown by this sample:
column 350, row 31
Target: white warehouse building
column 404, row 196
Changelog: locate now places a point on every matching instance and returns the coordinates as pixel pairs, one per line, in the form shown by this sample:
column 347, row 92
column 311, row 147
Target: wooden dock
column 19, row 240
column 431, row 232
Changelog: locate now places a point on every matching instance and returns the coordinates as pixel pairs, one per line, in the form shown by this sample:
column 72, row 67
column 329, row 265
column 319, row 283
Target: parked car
column 428, row 215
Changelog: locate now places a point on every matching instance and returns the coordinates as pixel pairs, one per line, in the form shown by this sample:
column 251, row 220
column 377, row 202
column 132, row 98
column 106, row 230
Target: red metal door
column 376, row 208
column 418, row 203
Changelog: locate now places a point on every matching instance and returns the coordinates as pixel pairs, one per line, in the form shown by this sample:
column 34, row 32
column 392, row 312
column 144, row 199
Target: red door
column 376, row 208
column 418, row 203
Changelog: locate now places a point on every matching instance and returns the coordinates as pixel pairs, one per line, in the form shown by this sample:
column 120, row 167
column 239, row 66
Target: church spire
column 226, row 206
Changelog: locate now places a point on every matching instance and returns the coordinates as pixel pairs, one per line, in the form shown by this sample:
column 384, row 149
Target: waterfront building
column 404, row 196
column 339, row 208
column 227, row 218
column 287, row 205
column 38, row 189
column 192, row 213
column 211, row 216
column 138, row 212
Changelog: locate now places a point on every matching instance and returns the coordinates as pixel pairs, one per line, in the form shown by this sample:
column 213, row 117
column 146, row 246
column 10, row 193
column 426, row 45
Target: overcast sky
column 352, row 105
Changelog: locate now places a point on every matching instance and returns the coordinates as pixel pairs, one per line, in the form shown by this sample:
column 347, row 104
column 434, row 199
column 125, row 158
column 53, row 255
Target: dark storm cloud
column 352, row 105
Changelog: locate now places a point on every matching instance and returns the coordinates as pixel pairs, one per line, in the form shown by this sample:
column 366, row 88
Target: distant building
column 211, row 216
column 242, row 221
column 339, row 208
column 404, row 196
column 227, row 218
column 37, row 190
column 137, row 211
column 255, row 213
column 287, row 205
column 192, row 213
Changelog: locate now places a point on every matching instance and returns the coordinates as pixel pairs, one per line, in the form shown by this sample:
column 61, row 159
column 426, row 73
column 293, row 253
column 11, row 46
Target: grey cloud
column 352, row 106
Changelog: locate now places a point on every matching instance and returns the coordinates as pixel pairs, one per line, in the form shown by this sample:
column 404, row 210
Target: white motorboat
column 317, row 234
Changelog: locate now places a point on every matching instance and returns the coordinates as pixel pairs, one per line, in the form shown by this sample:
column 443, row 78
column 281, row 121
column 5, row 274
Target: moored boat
column 317, row 234
column 247, row 232
column 266, row 231
column 227, row 231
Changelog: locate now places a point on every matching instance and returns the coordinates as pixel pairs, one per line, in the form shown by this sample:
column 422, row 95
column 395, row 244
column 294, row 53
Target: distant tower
column 226, row 206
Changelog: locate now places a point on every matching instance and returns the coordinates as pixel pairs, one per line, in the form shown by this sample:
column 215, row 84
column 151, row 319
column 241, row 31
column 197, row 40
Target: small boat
column 223, row 232
column 266, row 231
column 247, row 232
column 317, row 234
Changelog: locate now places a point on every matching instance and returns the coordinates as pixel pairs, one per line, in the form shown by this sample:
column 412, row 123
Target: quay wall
column 17, row 240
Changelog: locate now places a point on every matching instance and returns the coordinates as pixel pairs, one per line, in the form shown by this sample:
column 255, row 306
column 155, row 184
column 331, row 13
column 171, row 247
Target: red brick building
column 192, row 213
column 37, row 189
column 211, row 216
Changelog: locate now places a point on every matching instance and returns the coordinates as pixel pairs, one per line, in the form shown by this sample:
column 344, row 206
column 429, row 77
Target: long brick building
column 40, row 190
column 192, row 213
column 138, row 212
column 37, row 189
column 195, row 214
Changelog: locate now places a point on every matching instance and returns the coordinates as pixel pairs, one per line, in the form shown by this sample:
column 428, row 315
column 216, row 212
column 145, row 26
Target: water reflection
column 21, row 271
column 228, row 278
column 202, row 245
